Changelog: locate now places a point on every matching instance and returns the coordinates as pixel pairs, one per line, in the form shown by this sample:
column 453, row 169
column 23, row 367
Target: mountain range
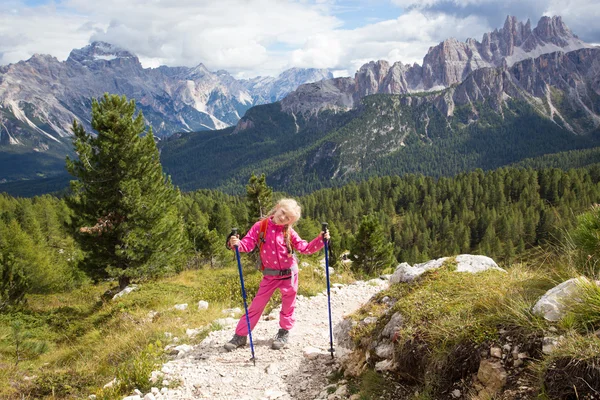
column 517, row 94
column 40, row 98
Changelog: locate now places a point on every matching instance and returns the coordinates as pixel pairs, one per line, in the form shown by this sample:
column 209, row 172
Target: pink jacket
column 274, row 253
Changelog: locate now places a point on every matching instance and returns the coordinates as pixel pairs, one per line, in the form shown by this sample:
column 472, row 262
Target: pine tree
column 371, row 252
column 259, row 196
column 124, row 205
column 13, row 283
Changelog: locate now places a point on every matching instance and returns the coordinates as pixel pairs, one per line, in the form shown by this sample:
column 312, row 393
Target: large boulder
column 464, row 263
column 553, row 304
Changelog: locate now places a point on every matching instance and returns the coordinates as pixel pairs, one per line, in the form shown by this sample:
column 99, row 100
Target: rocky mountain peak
column 199, row 71
column 100, row 52
column 370, row 76
column 553, row 30
column 446, row 64
column 305, row 74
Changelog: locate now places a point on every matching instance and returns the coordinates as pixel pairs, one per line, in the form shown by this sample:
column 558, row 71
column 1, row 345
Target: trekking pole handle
column 234, row 232
column 324, row 226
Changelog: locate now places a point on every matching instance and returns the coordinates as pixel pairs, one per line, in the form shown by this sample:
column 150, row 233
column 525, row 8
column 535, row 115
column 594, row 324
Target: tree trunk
column 123, row 282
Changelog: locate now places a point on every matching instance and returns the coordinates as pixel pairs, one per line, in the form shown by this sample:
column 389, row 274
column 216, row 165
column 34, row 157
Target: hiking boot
column 281, row 339
column 235, row 342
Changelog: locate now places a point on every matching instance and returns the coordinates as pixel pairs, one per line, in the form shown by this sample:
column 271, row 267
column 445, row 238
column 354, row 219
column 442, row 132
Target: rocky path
column 299, row 371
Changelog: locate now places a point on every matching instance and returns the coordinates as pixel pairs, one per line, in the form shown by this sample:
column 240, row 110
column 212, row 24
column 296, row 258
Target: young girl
column 280, row 268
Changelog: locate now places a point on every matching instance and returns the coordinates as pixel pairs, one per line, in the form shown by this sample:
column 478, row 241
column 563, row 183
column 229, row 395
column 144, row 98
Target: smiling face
column 286, row 212
column 281, row 217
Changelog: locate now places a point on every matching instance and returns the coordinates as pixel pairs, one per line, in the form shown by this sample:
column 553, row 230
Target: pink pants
column 288, row 289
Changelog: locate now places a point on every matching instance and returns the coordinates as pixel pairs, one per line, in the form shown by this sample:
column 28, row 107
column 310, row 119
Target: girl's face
column 281, row 217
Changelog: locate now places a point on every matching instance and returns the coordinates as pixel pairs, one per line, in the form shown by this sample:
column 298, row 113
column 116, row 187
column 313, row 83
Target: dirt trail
column 299, row 371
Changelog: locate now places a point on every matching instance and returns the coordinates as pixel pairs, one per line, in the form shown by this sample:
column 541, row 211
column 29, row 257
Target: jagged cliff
column 446, row 64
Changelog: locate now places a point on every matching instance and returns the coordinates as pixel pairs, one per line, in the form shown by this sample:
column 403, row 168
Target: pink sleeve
column 302, row 246
column 249, row 241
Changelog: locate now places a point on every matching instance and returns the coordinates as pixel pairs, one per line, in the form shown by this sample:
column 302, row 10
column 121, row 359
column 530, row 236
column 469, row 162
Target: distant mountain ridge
column 44, row 95
column 40, row 98
column 444, row 65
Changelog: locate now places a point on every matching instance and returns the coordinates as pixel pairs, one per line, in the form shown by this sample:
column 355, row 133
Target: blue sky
column 264, row 37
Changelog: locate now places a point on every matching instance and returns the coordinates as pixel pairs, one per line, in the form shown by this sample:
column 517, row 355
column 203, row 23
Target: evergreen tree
column 13, row 283
column 211, row 250
column 125, row 207
column 259, row 196
column 371, row 252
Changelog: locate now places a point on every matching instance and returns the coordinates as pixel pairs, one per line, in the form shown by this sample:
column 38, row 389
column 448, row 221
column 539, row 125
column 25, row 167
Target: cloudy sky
column 264, row 37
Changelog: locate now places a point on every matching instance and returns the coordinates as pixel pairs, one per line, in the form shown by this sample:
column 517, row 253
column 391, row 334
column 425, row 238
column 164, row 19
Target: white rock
column 183, row 349
column 181, row 307
column 549, row 344
column 154, row 390
column 369, row 320
column 125, row 291
column 311, row 352
column 193, row 332
column 385, row 365
column 138, row 392
column 342, row 391
column 475, row 263
column 456, row 393
column 496, row 352
column 154, row 376
column 385, row 350
column 393, row 325
column 465, row 263
column 405, row 273
column 150, row 396
column 134, row 397
column 202, row 305
column 226, row 322
column 111, row 383
column 552, row 305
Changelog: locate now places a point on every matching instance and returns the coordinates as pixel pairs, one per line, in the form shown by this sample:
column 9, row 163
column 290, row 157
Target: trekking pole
column 324, row 226
column 239, row 263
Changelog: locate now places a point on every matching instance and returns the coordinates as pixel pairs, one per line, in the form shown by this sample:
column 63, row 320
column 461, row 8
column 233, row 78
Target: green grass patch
column 91, row 339
column 450, row 316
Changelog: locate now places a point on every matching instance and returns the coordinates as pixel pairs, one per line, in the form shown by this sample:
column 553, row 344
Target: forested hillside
column 498, row 213
column 384, row 136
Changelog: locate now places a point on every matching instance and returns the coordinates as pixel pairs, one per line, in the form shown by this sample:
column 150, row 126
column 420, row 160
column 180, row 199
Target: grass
column 91, row 340
column 449, row 317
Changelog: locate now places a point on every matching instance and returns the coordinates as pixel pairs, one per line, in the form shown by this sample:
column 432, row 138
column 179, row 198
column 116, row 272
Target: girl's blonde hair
column 291, row 208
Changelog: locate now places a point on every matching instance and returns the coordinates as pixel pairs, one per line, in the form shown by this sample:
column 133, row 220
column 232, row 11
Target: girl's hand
column 234, row 241
column 325, row 235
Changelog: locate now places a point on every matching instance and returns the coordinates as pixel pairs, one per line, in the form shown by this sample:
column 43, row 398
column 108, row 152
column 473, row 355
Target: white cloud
column 405, row 39
column 251, row 37
column 24, row 32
